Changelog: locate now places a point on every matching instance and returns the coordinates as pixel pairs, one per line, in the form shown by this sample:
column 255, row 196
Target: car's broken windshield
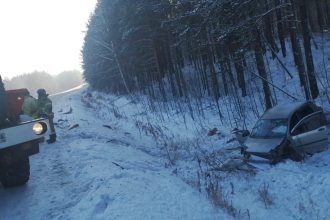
column 270, row 128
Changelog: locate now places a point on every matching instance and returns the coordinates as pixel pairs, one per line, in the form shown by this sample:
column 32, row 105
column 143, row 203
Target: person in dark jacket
column 30, row 106
column 45, row 109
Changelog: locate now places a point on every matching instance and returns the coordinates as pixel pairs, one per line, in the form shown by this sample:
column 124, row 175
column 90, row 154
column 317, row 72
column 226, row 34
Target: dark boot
column 52, row 139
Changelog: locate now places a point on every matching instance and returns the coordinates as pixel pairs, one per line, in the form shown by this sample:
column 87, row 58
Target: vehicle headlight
column 39, row 128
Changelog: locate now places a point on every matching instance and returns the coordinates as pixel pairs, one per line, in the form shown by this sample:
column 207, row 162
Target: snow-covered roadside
column 295, row 190
column 288, row 190
column 110, row 167
column 94, row 172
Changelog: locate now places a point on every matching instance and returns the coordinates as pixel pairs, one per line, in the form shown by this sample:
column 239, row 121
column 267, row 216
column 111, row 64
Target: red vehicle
column 20, row 136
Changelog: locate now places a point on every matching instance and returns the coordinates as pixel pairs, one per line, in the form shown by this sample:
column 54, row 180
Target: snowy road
column 93, row 172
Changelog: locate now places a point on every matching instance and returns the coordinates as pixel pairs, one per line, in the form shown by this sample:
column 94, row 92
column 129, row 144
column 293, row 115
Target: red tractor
column 20, row 136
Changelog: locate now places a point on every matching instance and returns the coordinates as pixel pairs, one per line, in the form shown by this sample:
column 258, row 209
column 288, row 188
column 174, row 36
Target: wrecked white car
column 290, row 130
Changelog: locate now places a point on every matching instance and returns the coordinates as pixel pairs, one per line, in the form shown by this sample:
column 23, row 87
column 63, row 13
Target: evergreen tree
column 144, row 45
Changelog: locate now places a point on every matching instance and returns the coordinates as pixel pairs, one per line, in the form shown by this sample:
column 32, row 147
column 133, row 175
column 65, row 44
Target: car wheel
column 275, row 157
column 295, row 155
column 15, row 174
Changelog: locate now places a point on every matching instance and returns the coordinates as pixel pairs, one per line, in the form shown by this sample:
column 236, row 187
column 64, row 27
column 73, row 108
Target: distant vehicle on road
column 289, row 130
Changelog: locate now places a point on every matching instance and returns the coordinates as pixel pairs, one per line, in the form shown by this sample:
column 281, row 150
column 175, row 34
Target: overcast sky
column 42, row 35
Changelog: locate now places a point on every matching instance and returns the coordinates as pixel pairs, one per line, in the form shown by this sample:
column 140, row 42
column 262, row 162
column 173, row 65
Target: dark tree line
column 200, row 48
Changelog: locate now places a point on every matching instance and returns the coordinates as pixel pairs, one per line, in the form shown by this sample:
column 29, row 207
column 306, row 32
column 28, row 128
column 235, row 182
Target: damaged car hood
column 261, row 145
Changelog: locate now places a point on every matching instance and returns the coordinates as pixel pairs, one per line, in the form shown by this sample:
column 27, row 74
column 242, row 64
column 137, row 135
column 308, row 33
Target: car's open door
column 310, row 134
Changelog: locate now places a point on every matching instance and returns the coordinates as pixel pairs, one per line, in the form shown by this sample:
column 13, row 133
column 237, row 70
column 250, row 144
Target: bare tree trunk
column 236, row 53
column 268, row 29
column 308, row 50
column 280, row 29
column 297, row 53
column 183, row 82
column 327, row 6
column 220, row 48
column 216, row 89
column 215, row 84
column 241, row 77
column 261, row 67
column 240, row 74
column 320, row 16
column 169, row 65
column 173, row 89
column 173, row 65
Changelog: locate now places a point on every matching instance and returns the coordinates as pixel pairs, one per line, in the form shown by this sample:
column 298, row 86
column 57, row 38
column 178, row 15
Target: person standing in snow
column 30, row 106
column 45, row 108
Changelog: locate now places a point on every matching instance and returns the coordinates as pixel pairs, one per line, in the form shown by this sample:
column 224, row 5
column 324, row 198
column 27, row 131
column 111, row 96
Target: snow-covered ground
column 94, row 172
column 111, row 167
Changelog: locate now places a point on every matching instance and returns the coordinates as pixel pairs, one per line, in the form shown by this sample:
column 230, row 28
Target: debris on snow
column 108, row 126
column 68, row 112
column 118, row 165
column 212, row 132
column 236, row 164
column 73, row 126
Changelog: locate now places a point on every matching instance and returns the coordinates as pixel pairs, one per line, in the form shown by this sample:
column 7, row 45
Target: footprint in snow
column 102, row 205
